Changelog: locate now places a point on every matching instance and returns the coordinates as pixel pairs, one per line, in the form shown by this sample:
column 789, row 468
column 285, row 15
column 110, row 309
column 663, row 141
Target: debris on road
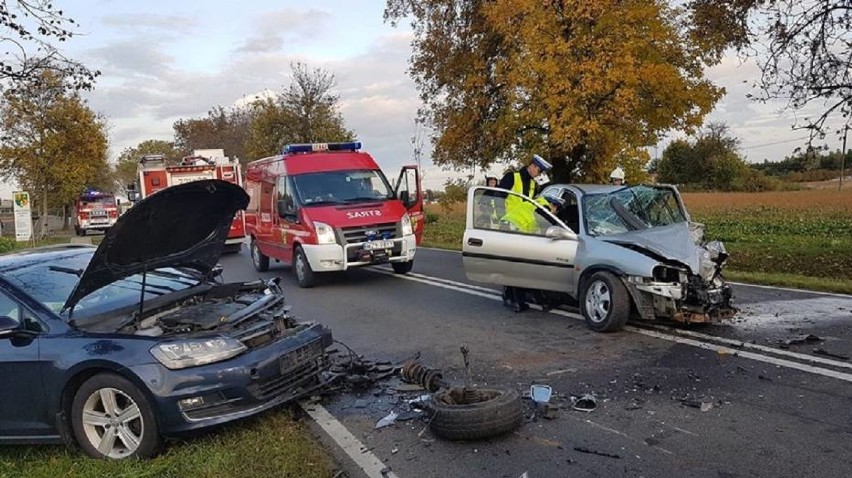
column 595, row 452
column 586, row 403
column 800, row 339
column 388, row 420
column 826, row 353
column 703, row 406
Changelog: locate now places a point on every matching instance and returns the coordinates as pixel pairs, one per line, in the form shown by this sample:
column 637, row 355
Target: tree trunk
column 65, row 218
column 45, row 220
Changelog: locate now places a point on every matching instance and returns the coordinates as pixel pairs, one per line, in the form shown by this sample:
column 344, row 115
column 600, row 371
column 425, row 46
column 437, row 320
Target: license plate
column 373, row 245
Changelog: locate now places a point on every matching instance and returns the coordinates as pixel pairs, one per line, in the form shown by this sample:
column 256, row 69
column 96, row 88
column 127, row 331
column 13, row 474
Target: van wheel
column 302, row 268
column 402, row 267
column 112, row 418
column 605, row 302
column 261, row 262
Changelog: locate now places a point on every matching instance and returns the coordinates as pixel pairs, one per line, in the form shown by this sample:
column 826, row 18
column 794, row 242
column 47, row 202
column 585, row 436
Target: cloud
column 273, row 30
column 149, row 21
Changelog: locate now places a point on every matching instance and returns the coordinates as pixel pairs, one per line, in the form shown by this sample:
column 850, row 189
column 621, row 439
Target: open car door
column 408, row 190
column 496, row 251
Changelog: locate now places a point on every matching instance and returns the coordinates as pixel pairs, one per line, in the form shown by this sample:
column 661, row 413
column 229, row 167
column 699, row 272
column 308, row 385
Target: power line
column 777, row 142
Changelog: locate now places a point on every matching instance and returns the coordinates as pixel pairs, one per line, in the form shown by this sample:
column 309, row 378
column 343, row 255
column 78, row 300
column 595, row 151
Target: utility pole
column 843, row 158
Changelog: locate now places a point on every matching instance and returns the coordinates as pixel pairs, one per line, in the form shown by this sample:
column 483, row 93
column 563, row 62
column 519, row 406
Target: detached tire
column 305, row 276
column 402, row 267
column 605, row 302
column 260, row 262
column 112, row 418
column 499, row 415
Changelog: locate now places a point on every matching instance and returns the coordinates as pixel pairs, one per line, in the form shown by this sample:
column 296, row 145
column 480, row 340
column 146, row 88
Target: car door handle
column 474, row 242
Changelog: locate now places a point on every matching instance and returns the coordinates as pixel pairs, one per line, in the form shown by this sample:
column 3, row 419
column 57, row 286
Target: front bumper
column 682, row 303
column 334, row 257
column 97, row 224
column 257, row 380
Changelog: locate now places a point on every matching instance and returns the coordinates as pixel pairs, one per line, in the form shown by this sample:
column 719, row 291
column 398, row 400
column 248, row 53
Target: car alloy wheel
column 112, row 418
column 113, row 423
column 598, row 301
column 605, row 302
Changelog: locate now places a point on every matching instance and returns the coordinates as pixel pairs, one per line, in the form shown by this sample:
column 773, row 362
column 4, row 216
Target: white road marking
column 365, row 459
column 467, row 289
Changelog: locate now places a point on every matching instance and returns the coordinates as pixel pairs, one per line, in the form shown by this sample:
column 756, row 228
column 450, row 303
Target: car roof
column 51, row 254
column 590, row 188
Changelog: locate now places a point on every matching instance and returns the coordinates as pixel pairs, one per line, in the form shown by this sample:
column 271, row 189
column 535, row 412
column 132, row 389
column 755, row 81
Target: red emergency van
column 328, row 207
column 94, row 211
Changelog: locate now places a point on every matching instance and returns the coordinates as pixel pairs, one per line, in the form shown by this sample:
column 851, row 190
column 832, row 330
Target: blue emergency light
column 314, row 147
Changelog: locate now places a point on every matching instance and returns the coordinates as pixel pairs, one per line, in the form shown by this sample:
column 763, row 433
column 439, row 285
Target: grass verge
column 272, row 445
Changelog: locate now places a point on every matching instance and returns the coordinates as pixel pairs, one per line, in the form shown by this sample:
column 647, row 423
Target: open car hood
column 181, row 226
column 679, row 242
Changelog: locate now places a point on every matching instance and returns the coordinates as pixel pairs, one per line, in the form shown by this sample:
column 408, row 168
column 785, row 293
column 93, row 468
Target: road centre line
column 365, row 459
column 465, row 288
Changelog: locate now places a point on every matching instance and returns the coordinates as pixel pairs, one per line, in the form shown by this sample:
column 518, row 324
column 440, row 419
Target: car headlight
column 406, row 225
column 193, row 352
column 325, row 233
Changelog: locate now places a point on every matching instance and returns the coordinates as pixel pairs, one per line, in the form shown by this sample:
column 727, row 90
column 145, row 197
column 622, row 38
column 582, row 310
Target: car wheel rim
column 113, row 423
column 598, row 302
column 255, row 254
column 300, row 267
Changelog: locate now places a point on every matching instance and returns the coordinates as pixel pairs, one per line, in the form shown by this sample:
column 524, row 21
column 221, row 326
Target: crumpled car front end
column 674, row 292
column 679, row 276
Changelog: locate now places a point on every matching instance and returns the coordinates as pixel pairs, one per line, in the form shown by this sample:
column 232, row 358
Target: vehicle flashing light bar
column 315, row 147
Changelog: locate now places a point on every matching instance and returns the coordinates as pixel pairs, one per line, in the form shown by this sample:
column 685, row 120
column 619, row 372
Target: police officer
column 522, row 182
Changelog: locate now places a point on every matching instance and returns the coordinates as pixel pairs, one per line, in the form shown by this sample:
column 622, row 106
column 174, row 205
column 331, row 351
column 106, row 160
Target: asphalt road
column 769, row 408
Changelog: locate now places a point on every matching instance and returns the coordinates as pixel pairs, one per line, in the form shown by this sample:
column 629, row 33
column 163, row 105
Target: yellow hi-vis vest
column 522, row 216
column 518, row 187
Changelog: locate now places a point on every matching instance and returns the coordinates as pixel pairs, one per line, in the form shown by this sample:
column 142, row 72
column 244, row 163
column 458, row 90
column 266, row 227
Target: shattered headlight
column 194, row 352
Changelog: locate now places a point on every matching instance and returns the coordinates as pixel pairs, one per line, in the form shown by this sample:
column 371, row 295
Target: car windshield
column 340, row 187
column 630, row 209
column 51, row 284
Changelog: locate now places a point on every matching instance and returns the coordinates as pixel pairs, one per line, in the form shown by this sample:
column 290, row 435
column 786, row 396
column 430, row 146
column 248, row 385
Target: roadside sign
column 23, row 216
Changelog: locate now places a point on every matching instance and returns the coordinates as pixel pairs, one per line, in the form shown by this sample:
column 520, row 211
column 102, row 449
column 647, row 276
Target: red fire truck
column 156, row 174
column 328, row 207
column 95, row 211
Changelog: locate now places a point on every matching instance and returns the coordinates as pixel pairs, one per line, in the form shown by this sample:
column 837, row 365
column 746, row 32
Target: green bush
column 7, row 244
column 432, row 217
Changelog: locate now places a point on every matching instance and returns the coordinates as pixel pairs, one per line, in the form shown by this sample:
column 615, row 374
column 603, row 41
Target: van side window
column 285, row 191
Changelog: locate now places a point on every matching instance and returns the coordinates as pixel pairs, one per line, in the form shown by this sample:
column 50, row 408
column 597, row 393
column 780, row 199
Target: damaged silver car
column 614, row 251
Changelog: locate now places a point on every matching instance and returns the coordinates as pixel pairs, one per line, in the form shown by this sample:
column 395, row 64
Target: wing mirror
column 560, row 233
column 10, row 327
column 286, row 208
column 407, row 200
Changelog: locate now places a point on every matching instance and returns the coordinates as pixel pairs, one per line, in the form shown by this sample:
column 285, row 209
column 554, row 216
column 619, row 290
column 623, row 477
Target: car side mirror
column 406, row 199
column 286, row 208
column 10, row 327
column 560, row 233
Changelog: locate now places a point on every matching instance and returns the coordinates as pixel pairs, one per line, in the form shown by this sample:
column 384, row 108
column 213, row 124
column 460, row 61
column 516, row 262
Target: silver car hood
column 679, row 242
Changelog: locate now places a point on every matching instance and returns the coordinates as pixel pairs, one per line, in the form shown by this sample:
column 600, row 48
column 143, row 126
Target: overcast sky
column 166, row 60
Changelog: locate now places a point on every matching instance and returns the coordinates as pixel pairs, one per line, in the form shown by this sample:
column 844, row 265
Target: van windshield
column 340, row 187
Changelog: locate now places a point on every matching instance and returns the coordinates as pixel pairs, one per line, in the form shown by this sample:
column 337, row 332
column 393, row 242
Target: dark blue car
column 121, row 346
